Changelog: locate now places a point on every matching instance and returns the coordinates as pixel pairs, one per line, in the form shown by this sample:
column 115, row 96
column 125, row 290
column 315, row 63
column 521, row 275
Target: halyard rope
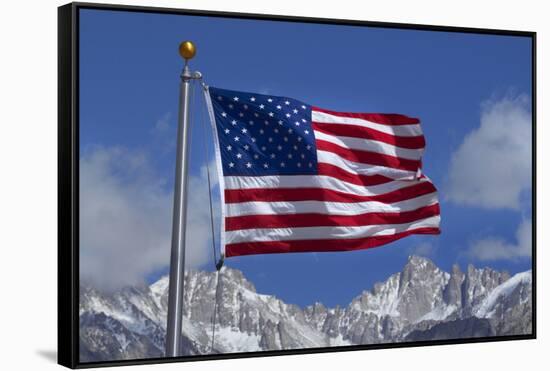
column 205, row 132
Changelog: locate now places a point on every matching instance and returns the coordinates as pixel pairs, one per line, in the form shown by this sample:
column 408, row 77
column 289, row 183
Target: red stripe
column 371, row 158
column 379, row 118
column 354, row 131
column 276, row 247
column 346, row 176
column 322, row 220
column 322, row 194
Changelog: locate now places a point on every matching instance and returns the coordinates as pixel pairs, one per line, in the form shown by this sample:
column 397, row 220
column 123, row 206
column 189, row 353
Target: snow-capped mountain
column 421, row 302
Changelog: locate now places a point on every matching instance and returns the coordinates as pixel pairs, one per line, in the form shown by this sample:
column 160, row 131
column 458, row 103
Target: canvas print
column 277, row 185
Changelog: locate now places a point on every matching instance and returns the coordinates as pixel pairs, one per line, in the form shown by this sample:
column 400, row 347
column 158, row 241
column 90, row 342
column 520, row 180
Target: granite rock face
column 421, row 302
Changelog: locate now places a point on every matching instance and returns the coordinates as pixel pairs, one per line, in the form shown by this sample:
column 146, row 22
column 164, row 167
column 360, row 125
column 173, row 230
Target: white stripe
column 321, row 233
column 219, row 167
column 328, row 208
column 371, row 146
column 364, row 169
column 412, row 130
column 314, row 181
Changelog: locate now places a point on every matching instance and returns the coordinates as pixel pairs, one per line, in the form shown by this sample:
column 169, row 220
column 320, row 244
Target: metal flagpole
column 177, row 257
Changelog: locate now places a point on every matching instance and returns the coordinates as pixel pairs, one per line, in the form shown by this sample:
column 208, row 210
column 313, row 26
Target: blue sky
column 459, row 85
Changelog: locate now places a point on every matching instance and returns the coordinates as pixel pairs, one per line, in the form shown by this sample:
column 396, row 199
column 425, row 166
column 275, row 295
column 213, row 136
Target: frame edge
column 68, row 262
column 67, row 323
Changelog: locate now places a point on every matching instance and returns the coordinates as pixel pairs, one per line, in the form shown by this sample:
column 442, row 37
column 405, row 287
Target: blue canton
column 263, row 135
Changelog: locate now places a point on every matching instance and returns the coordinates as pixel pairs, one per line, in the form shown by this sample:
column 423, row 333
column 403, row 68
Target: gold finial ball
column 187, row 49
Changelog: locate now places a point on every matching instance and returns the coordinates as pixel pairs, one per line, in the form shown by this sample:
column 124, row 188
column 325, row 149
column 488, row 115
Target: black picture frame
column 68, row 180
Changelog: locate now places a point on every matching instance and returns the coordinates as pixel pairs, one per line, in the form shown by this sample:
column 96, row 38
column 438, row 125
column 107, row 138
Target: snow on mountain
column 420, row 302
column 487, row 308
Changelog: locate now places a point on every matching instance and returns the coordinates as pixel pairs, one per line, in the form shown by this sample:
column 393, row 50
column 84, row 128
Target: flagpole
column 177, row 256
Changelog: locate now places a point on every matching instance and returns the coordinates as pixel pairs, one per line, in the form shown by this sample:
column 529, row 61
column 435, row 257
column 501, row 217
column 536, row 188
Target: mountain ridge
column 421, row 302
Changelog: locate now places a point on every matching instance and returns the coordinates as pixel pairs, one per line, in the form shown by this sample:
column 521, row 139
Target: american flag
column 298, row 178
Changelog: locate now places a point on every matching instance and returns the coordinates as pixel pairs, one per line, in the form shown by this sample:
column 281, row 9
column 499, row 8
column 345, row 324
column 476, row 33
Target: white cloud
column 495, row 248
column 163, row 133
column 492, row 166
column 163, row 124
column 422, row 249
column 126, row 218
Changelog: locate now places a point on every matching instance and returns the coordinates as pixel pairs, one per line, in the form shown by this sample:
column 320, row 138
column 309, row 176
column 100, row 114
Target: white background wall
column 28, row 181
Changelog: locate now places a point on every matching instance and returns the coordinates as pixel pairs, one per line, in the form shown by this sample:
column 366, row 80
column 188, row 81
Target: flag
column 298, row 178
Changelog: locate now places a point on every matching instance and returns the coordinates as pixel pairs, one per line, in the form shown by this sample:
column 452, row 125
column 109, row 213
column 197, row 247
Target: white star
column 236, row 139
column 245, row 106
column 279, row 147
column 270, row 139
column 304, row 120
column 256, row 156
column 273, row 155
column 226, row 131
column 262, row 106
column 234, row 122
column 231, row 164
column 295, row 147
column 287, row 115
column 308, row 146
column 236, row 99
column 266, row 123
column 219, row 97
column 253, row 140
column 297, row 123
column 224, row 114
column 251, row 123
column 246, row 147
column 261, row 131
column 275, row 130
column 252, row 99
column 279, row 107
column 271, row 114
column 290, row 131
column 299, row 164
column 280, row 122
column 239, row 155
column 285, row 139
column 287, row 103
column 295, row 110
column 306, row 131
column 265, row 166
column 310, row 164
column 303, row 156
column 243, row 131
column 248, row 165
column 299, row 139
column 229, row 148
column 303, row 107
column 289, row 155
column 256, row 114
column 282, row 164
column 241, row 114
column 270, row 100
column 230, row 106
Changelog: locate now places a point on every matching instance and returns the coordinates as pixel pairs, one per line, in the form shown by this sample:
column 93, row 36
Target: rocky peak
column 420, row 288
column 452, row 294
column 477, row 284
column 421, row 301
column 417, row 271
column 417, row 260
column 235, row 277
